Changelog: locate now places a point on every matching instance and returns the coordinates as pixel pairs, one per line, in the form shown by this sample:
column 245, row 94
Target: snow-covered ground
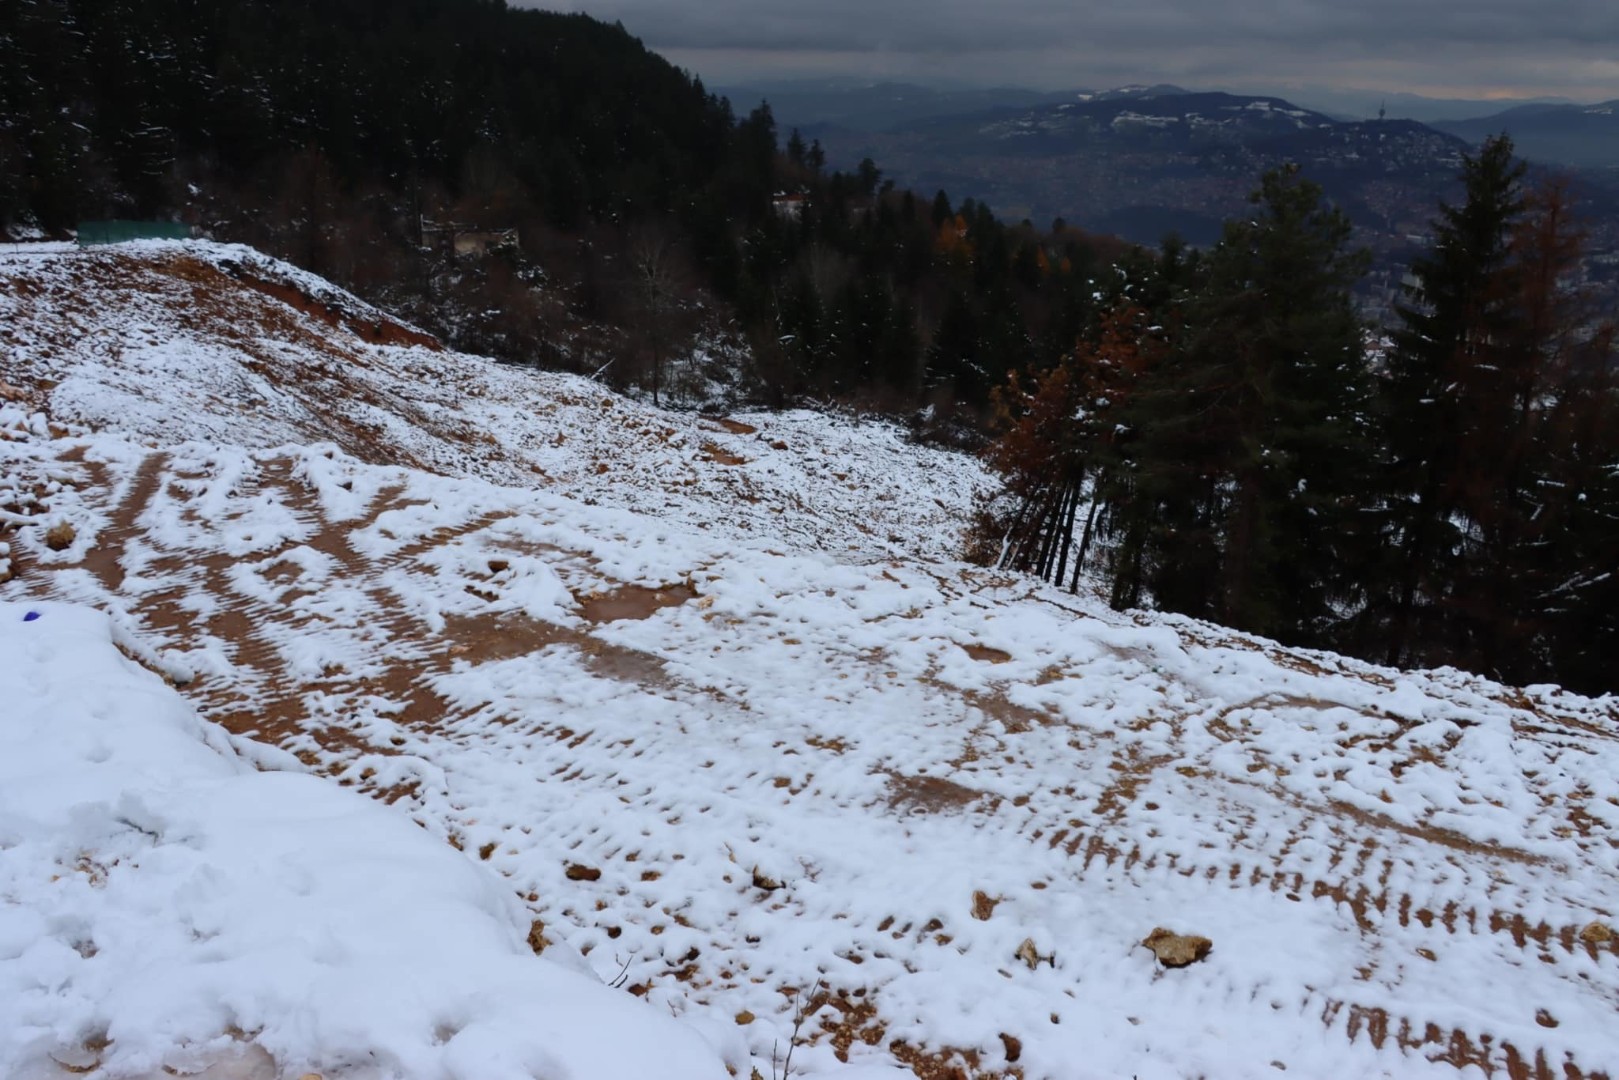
column 720, row 723
column 164, row 342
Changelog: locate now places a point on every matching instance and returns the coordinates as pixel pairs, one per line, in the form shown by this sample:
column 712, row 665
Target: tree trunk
column 1085, row 541
column 1074, row 487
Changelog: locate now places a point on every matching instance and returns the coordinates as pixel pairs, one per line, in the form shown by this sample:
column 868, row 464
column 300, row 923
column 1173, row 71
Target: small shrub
column 985, row 541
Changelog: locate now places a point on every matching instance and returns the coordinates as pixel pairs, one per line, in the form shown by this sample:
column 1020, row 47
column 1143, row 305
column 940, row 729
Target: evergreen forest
column 1228, row 442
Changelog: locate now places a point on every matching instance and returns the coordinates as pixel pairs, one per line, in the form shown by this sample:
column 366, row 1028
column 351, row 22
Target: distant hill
column 1151, row 115
column 1364, row 104
column 878, row 106
column 1579, row 135
column 883, row 106
column 875, row 105
column 1143, row 161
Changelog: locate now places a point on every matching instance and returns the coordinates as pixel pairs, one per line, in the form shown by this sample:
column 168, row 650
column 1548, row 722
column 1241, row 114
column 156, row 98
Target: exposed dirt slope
column 170, row 342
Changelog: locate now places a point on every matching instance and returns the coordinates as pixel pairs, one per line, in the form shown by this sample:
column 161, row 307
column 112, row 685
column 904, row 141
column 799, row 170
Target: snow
column 137, row 362
column 726, row 752
column 1126, row 118
column 164, row 900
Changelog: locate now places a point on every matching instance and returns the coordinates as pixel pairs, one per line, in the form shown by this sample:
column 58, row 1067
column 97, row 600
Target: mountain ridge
column 1143, row 164
column 1568, row 135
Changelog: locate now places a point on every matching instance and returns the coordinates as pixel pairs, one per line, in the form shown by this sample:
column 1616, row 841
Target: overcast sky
column 1442, row 48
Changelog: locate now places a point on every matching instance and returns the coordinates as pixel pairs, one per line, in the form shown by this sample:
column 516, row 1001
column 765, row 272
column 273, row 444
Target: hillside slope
column 781, row 767
column 171, row 342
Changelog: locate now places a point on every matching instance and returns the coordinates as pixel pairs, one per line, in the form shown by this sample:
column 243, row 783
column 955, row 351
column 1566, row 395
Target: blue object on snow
column 31, row 616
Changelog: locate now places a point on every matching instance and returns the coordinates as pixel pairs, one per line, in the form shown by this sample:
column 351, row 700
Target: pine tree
column 1544, row 510
column 1579, row 594
column 1250, row 434
column 1445, row 398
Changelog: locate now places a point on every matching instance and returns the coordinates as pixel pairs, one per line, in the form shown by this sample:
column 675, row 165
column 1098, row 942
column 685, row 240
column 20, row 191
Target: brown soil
column 735, row 427
column 929, row 794
column 720, row 456
column 847, row 1017
column 259, row 699
column 377, row 330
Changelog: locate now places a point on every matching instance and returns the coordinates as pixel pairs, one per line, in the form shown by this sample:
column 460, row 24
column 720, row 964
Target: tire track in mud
column 255, row 697
column 1359, row 872
column 259, row 696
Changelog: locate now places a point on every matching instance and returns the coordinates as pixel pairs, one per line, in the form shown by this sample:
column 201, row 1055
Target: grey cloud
column 1436, row 44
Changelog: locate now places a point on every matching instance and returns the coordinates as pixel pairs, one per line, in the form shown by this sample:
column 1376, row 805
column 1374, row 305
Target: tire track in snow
column 1360, row 865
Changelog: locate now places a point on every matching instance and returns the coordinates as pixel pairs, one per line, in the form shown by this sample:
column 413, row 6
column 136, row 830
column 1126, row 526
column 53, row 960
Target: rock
column 984, row 905
column 536, row 937
column 1014, row 1047
column 60, row 537
column 1029, row 953
column 1597, row 933
column 1177, row 950
column 581, row 872
column 760, row 881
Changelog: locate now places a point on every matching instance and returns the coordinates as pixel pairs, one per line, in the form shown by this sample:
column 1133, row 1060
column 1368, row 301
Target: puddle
column 632, row 602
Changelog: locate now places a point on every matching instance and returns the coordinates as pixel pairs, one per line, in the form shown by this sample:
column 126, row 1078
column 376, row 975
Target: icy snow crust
column 726, row 765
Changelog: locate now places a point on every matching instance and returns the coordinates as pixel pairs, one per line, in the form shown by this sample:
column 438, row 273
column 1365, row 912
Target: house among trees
column 465, row 241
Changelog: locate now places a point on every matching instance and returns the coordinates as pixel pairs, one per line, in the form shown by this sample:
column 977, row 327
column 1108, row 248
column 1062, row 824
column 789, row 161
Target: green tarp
column 116, row 232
